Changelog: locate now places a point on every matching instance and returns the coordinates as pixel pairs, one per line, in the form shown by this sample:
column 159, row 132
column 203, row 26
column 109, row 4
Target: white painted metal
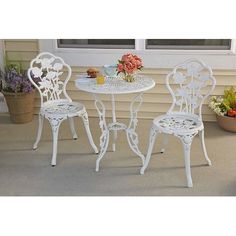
column 114, row 85
column 117, row 86
column 202, row 139
column 104, row 138
column 3, row 104
column 56, row 105
column 72, row 128
column 114, row 121
column 39, row 133
column 131, row 134
column 152, row 138
column 184, row 118
column 165, row 142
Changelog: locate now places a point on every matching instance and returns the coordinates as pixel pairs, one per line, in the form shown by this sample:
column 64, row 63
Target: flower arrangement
column 128, row 65
column 226, row 105
column 15, row 82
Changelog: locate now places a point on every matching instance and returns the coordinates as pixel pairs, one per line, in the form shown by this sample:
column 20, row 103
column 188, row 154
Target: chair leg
column 152, row 138
column 86, row 125
column 55, row 124
column 39, row 133
column 165, row 142
column 187, row 165
column 72, row 128
column 187, row 141
column 202, row 139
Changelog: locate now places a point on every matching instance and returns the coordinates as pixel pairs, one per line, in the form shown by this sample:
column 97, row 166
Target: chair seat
column 178, row 123
column 62, row 108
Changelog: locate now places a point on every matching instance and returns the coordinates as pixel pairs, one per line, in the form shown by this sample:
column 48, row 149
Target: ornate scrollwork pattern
column 55, row 122
column 178, row 124
column 188, row 79
column 47, row 70
column 131, row 133
column 153, row 133
column 66, row 108
column 187, row 138
column 152, row 138
column 116, row 85
column 104, row 138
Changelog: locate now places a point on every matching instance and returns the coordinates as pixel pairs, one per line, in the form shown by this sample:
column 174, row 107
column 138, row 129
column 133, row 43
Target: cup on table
column 109, row 70
column 100, row 79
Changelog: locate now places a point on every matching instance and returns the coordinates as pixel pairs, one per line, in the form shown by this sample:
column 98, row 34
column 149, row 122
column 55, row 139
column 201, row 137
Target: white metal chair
column 189, row 84
column 53, row 74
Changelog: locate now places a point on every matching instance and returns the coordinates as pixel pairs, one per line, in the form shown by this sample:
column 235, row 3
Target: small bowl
column 109, row 70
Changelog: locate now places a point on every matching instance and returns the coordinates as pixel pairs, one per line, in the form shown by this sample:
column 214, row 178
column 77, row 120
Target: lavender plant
column 16, row 82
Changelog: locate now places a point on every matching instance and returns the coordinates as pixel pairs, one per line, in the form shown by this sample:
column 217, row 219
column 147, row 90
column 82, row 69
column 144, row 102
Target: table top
column 114, row 85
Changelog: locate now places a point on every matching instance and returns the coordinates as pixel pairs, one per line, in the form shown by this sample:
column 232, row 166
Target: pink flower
column 126, row 57
column 120, row 67
column 133, row 61
column 138, row 61
column 139, row 64
column 129, row 63
column 129, row 67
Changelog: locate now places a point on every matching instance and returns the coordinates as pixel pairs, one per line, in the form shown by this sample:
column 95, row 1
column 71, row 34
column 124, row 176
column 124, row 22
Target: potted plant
column 225, row 109
column 19, row 94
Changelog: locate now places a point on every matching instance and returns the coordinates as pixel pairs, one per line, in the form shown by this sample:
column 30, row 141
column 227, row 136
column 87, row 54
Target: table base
column 115, row 126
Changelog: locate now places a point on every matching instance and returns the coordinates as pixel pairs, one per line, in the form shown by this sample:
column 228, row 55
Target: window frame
column 101, row 46
column 186, row 47
column 153, row 58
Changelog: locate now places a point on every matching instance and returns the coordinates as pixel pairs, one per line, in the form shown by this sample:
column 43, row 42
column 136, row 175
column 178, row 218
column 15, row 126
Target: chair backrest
column 52, row 75
column 189, row 84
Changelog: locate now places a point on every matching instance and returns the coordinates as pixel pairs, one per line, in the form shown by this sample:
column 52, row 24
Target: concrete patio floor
column 24, row 172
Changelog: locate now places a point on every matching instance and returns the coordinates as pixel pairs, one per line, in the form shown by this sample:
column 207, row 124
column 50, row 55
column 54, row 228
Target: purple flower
column 16, row 82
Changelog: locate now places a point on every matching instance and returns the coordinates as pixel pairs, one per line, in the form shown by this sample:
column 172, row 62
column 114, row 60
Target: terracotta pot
column 227, row 123
column 21, row 106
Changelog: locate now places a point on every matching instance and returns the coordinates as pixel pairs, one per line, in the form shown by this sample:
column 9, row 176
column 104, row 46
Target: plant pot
column 20, row 106
column 227, row 123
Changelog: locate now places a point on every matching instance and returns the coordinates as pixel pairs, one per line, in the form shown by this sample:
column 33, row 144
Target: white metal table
column 114, row 86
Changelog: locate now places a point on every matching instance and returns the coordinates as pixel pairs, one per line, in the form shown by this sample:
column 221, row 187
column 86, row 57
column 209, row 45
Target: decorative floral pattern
column 131, row 134
column 190, row 78
column 116, row 85
column 178, row 124
column 48, row 71
column 63, row 108
column 185, row 84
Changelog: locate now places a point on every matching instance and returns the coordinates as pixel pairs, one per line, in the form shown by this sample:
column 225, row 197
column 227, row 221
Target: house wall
column 156, row 101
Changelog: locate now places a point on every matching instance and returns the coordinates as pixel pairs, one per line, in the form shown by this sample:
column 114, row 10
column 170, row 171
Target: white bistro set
column 189, row 84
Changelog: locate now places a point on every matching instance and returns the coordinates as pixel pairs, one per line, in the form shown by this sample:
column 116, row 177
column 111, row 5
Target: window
column 152, row 56
column 189, row 44
column 97, row 43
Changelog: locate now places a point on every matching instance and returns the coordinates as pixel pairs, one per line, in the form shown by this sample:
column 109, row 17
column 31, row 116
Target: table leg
column 132, row 136
column 104, row 138
column 114, row 121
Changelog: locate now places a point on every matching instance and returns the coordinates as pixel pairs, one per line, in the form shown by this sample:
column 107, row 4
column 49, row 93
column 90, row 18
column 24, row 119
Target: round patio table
column 116, row 86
